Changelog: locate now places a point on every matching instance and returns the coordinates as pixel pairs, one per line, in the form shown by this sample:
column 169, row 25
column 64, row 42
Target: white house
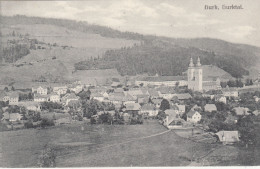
column 41, row 90
column 193, row 116
column 149, row 109
column 60, row 90
column 220, row 98
column 54, row 97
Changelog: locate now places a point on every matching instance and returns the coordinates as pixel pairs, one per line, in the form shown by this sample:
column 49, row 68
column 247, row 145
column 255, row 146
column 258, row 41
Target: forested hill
column 155, row 54
column 82, row 26
column 164, row 58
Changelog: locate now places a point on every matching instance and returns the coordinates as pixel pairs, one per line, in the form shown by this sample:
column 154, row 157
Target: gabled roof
column 133, row 106
column 228, row 136
column 210, row 106
column 191, row 113
column 153, row 93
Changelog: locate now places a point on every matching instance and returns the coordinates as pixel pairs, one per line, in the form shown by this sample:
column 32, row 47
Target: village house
column 210, row 108
column 230, row 92
column 241, row 111
column 162, row 80
column 69, row 97
column 41, row 98
column 54, row 97
column 30, row 105
column 40, row 90
column 60, row 90
column 182, row 96
column 153, row 93
column 182, row 108
column 165, row 92
column 76, row 88
column 132, row 108
column 228, row 137
column 157, row 102
column 13, row 98
column 172, row 119
column 196, row 108
column 149, row 110
column 97, row 96
column 221, row 98
column 193, row 116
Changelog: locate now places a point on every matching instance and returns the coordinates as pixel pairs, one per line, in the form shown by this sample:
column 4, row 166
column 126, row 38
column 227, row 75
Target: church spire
column 191, row 63
column 198, row 62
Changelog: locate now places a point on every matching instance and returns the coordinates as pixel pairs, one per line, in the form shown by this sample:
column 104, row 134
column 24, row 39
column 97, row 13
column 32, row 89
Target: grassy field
column 100, row 145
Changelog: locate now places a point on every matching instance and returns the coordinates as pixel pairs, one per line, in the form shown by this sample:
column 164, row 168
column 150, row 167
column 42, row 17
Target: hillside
column 66, row 45
column 166, row 59
column 53, row 48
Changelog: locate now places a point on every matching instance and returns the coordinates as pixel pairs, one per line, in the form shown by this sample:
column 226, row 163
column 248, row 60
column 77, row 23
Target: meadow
column 79, row 145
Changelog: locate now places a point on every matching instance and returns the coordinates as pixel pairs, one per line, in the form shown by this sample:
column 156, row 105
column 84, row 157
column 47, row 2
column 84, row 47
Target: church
column 196, row 80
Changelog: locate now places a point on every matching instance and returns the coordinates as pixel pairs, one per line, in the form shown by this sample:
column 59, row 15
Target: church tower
column 195, row 76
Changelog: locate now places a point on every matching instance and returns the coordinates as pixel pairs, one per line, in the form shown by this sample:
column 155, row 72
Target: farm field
column 79, row 144
column 100, row 145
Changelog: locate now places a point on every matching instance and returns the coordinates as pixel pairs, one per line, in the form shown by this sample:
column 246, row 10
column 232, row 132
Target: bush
column 28, row 124
column 47, row 122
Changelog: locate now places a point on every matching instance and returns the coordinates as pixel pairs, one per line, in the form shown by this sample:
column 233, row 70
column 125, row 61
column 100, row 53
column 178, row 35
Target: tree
column 165, row 105
column 247, row 130
column 13, row 89
column 6, row 89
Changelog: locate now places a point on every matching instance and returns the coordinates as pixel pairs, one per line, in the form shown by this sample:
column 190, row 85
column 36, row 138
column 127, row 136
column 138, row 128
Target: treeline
column 162, row 58
column 14, row 52
column 70, row 24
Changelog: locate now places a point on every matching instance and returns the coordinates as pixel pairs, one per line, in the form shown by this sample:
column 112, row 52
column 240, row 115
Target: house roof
column 170, row 112
column 153, row 93
column 148, row 107
column 133, row 106
column 96, row 95
column 228, row 136
column 37, row 95
column 241, row 111
column 165, row 90
column 210, row 107
column 163, row 78
column 183, row 96
column 13, row 94
column 191, row 113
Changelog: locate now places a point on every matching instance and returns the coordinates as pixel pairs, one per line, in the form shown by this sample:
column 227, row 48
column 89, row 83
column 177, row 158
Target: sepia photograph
column 130, row 83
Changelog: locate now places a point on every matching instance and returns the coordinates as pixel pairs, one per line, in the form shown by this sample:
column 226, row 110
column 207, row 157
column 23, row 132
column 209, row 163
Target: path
column 117, row 144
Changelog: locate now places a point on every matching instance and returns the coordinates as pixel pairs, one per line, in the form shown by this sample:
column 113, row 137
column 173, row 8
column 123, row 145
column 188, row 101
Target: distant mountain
column 84, row 46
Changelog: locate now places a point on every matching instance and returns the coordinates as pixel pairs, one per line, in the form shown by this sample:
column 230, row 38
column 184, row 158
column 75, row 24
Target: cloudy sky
column 173, row 18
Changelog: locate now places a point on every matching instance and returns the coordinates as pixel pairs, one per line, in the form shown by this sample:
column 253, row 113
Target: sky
column 171, row 18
